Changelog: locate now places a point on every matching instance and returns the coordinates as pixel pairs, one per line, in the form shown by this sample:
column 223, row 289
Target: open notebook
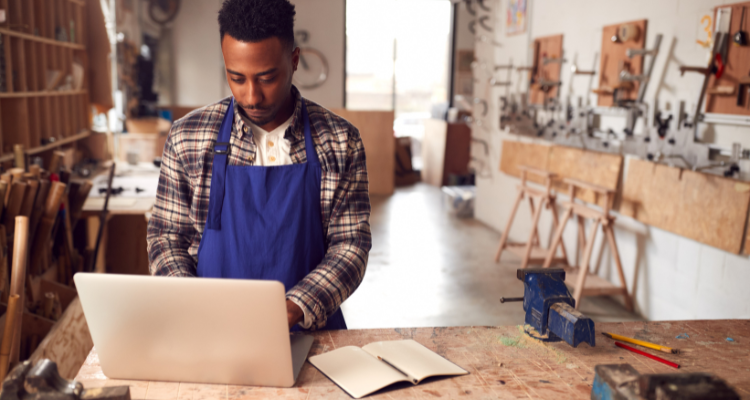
column 361, row 371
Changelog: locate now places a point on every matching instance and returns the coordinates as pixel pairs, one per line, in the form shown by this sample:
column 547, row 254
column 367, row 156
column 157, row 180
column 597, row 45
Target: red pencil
column 659, row 359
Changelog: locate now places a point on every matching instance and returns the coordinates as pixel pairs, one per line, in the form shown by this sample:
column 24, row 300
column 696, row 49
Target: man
column 265, row 184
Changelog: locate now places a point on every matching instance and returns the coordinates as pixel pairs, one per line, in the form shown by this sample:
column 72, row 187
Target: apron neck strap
column 221, row 151
column 312, row 155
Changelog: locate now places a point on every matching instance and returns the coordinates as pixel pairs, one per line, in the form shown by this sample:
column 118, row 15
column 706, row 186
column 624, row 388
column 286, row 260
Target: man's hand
column 294, row 314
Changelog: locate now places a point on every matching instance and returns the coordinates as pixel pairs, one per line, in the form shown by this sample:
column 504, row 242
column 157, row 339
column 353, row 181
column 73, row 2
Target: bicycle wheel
column 312, row 71
column 163, row 11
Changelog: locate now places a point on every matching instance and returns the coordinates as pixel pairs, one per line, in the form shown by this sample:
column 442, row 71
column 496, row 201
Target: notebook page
column 413, row 359
column 355, row 371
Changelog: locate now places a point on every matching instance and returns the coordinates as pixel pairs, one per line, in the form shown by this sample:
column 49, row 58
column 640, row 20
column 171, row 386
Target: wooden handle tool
column 17, row 174
column 6, row 178
column 11, row 318
column 18, row 278
column 20, row 156
column 29, row 199
column 35, row 170
column 41, row 237
column 56, row 162
column 36, row 213
column 4, row 281
column 3, row 191
column 15, row 202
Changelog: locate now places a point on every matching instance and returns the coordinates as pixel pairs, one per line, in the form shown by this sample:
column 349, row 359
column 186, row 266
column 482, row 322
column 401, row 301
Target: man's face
column 260, row 76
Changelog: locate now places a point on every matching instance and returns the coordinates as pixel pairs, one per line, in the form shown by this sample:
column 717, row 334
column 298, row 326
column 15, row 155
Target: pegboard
column 737, row 67
column 550, row 47
column 614, row 59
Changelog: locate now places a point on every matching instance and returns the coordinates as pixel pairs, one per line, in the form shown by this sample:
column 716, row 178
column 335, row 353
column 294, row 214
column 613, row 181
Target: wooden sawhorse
column 532, row 252
column 597, row 286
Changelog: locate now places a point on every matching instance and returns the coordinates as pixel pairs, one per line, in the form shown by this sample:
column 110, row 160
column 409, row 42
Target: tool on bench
column 550, row 312
column 623, row 382
column 643, row 343
column 43, row 382
column 651, row 356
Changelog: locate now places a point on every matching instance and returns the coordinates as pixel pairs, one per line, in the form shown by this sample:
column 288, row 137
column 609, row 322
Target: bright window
column 398, row 58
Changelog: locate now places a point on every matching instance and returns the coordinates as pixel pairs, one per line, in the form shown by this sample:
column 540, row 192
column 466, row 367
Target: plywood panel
column 707, row 208
column 376, row 130
column 602, row 169
column 516, row 154
column 614, row 59
column 68, row 343
column 737, row 66
column 550, row 47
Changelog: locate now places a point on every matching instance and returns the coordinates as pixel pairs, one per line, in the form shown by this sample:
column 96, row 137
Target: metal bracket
column 221, row 152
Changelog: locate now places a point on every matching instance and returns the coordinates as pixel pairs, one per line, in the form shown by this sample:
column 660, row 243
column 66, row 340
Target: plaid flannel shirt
column 176, row 226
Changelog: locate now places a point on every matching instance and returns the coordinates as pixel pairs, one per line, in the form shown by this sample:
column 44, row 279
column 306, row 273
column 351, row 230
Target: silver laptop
column 224, row 331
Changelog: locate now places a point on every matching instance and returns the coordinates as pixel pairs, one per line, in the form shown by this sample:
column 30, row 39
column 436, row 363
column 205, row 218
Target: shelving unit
column 44, row 97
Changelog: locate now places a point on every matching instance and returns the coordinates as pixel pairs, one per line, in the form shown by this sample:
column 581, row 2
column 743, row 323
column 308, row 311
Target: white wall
column 672, row 277
column 326, row 21
column 198, row 66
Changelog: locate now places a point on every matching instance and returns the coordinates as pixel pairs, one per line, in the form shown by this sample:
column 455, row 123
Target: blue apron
column 264, row 222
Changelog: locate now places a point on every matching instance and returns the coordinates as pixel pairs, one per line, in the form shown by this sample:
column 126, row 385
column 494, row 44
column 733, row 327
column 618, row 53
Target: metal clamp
column 626, row 76
column 546, row 60
column 221, row 152
column 641, row 52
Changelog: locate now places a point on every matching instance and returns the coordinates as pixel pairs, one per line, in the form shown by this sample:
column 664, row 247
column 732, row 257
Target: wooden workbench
column 503, row 363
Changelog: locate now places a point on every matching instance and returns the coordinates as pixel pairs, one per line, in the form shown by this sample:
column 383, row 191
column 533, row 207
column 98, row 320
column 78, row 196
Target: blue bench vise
column 550, row 309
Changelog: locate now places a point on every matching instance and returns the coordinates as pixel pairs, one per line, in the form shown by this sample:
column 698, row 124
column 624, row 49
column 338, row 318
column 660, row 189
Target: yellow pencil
column 641, row 343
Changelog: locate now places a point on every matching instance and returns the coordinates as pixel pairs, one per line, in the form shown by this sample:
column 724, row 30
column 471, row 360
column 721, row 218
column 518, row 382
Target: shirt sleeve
column 170, row 230
column 323, row 290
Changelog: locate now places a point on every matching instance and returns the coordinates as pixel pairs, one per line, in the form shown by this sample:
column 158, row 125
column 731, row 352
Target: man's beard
column 271, row 116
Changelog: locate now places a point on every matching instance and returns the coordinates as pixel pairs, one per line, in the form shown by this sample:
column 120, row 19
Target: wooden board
column 737, row 66
column 376, row 130
column 602, row 169
column 552, row 48
column 614, row 60
column 446, row 150
column 515, row 154
column 68, row 343
column 503, row 363
column 707, row 208
column 433, row 151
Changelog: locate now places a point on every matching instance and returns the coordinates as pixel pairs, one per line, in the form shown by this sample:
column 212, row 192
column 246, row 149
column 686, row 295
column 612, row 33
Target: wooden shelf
column 46, row 93
column 43, row 40
column 50, row 146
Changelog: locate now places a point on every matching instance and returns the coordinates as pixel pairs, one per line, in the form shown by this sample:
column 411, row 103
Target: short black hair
column 256, row 20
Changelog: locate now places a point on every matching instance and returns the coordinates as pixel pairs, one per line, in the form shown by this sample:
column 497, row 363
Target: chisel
column 42, row 235
column 15, row 202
